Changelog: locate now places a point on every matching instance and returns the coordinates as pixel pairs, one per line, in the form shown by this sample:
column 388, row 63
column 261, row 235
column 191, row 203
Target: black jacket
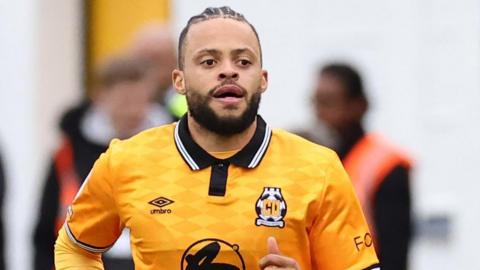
column 85, row 153
column 391, row 210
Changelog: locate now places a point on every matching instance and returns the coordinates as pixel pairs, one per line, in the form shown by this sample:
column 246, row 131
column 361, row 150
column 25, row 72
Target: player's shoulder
column 293, row 145
column 152, row 138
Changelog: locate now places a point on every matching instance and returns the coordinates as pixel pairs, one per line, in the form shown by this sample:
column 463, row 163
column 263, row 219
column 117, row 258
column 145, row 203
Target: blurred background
column 420, row 60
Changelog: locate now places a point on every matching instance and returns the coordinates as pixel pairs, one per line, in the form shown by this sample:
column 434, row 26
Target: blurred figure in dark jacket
column 123, row 104
column 378, row 169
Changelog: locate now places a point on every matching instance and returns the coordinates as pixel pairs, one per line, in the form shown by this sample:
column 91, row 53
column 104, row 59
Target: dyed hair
column 208, row 14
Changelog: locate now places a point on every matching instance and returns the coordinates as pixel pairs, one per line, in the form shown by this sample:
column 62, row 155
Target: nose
column 228, row 72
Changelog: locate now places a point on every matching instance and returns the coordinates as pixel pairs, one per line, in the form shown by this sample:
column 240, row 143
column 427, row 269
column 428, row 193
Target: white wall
column 40, row 76
column 421, row 63
column 17, row 87
column 420, row 59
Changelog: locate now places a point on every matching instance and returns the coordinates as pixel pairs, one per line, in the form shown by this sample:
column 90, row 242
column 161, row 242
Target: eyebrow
column 208, row 51
column 216, row 52
column 242, row 50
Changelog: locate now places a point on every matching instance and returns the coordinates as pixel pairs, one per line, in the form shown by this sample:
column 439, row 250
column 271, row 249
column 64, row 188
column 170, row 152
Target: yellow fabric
column 324, row 227
column 113, row 23
column 224, row 154
column 68, row 256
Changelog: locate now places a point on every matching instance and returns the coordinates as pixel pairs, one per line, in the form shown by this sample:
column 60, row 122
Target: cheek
column 133, row 105
column 199, row 85
column 330, row 114
column 112, row 105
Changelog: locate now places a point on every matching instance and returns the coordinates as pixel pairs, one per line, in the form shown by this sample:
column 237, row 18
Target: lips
column 229, row 90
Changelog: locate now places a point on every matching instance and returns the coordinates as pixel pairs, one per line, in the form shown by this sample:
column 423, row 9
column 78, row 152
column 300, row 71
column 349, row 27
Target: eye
column 208, row 62
column 244, row 62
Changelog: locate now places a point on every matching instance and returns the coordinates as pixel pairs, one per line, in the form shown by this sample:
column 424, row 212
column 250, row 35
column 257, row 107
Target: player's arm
column 339, row 235
column 92, row 224
column 69, row 256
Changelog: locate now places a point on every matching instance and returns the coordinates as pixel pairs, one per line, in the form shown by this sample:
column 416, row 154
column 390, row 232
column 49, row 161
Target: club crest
column 271, row 208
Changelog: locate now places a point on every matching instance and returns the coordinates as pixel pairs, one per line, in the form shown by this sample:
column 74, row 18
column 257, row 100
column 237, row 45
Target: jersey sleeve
column 92, row 221
column 339, row 237
column 69, row 256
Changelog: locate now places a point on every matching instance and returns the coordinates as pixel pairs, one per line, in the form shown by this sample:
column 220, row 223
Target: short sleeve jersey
column 189, row 210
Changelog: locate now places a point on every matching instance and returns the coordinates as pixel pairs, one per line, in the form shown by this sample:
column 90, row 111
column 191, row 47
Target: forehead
column 330, row 84
column 221, row 33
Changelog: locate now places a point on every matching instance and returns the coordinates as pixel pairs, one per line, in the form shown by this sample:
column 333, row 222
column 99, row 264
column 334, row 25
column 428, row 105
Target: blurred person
column 123, row 104
column 378, row 169
column 154, row 43
column 219, row 188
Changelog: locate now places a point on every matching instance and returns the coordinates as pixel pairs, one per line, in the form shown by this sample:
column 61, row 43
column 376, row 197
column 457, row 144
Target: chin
column 229, row 110
column 230, row 114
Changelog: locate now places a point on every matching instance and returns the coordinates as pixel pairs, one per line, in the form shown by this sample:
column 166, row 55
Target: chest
column 171, row 214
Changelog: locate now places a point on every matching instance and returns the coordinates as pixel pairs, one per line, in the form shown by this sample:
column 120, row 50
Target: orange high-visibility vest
column 368, row 163
column 68, row 180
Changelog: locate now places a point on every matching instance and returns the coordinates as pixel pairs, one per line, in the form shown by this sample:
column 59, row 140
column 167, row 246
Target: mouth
column 229, row 94
column 229, row 90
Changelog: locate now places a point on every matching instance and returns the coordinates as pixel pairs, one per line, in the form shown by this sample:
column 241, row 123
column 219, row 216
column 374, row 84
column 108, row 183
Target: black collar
column 197, row 158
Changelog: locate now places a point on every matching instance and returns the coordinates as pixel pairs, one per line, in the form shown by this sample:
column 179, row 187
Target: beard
column 198, row 106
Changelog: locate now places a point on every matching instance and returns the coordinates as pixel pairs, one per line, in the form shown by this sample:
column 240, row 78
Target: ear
column 264, row 81
column 178, row 81
column 358, row 108
column 98, row 94
column 363, row 106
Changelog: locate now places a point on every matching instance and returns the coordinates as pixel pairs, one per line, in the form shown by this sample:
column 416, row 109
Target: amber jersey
column 187, row 209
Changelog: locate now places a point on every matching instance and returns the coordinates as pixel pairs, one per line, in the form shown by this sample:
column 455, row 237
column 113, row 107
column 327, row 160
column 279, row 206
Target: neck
column 212, row 142
column 349, row 138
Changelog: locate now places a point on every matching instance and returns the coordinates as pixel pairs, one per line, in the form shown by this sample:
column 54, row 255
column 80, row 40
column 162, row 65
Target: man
column 123, row 104
column 379, row 170
column 154, row 43
column 219, row 189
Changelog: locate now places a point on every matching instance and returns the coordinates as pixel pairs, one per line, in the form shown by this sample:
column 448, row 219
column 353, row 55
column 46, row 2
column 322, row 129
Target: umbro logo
column 160, row 202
